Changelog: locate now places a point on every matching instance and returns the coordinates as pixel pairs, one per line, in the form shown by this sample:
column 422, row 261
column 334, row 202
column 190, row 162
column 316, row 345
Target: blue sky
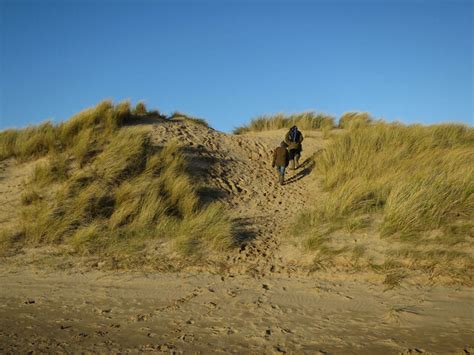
column 228, row 61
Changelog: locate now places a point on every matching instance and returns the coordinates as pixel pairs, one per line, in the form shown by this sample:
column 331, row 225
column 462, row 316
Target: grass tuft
column 140, row 109
column 354, row 120
column 305, row 120
column 56, row 169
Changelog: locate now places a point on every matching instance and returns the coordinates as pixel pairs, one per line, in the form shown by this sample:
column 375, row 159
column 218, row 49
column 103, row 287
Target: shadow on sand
column 200, row 163
column 243, row 231
column 306, row 168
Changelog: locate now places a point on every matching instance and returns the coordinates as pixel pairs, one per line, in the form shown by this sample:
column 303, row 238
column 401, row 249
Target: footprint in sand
column 187, row 338
column 412, row 351
column 140, row 317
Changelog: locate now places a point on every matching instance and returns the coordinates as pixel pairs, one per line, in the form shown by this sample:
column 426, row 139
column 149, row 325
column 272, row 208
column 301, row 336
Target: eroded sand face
column 120, row 312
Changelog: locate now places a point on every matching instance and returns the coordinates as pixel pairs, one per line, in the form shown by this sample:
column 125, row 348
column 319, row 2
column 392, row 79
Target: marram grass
column 305, row 121
column 103, row 188
column 411, row 184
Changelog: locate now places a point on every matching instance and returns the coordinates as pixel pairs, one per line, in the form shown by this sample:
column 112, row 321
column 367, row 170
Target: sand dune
column 258, row 298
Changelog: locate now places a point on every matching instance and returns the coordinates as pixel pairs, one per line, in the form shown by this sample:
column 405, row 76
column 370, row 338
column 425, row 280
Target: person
column 294, row 139
column 281, row 159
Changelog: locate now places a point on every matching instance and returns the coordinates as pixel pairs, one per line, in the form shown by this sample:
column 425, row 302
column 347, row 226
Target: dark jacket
column 280, row 157
column 294, row 145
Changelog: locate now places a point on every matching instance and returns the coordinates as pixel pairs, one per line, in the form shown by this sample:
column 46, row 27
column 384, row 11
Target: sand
column 187, row 312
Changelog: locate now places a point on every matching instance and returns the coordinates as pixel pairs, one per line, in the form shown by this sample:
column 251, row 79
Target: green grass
column 104, row 189
column 305, row 121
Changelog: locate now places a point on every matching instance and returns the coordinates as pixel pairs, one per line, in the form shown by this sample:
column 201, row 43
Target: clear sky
column 228, row 61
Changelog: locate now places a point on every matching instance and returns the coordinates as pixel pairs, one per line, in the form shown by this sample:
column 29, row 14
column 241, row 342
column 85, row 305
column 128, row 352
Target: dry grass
column 190, row 119
column 104, row 189
column 351, row 120
column 140, row 109
column 88, row 127
column 421, row 178
column 82, row 135
column 418, row 179
column 305, row 120
column 56, row 169
column 30, row 142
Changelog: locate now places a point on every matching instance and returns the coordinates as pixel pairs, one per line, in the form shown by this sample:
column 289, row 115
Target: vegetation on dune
column 412, row 184
column 103, row 188
column 82, row 133
column 350, row 120
column 188, row 118
column 420, row 177
column 304, row 121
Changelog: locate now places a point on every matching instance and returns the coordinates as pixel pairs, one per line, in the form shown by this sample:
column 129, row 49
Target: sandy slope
column 258, row 303
column 238, row 170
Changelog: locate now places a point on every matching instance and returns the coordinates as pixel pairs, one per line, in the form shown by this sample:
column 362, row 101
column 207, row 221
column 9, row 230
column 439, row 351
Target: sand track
column 238, row 171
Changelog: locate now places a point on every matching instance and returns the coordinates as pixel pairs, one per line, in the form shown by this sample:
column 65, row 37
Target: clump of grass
column 357, row 223
column 30, row 195
column 29, row 142
column 305, row 120
column 394, row 278
column 10, row 238
column 358, row 251
column 326, row 131
column 84, row 147
column 140, row 109
column 56, row 169
column 353, row 120
column 82, row 135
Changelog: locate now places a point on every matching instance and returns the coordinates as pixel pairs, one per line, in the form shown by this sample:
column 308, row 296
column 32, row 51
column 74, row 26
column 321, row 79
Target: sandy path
column 239, row 169
column 124, row 312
